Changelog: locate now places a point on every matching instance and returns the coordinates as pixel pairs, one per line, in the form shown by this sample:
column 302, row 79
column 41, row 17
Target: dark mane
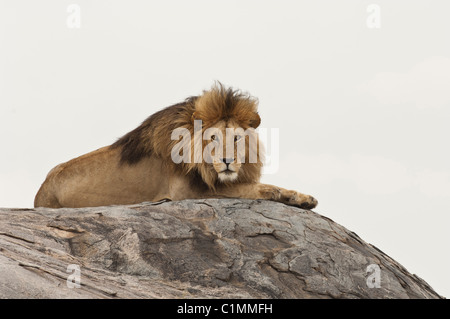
column 132, row 149
column 137, row 143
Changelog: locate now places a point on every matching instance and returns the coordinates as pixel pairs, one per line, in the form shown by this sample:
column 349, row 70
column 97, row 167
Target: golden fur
column 140, row 167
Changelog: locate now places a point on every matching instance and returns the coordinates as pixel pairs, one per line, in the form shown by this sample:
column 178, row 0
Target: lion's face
column 230, row 153
column 224, row 153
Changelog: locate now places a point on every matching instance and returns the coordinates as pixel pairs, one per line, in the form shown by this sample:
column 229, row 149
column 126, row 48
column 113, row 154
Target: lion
column 158, row 161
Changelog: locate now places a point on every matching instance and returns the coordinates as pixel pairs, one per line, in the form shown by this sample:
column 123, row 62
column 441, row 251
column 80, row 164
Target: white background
column 363, row 113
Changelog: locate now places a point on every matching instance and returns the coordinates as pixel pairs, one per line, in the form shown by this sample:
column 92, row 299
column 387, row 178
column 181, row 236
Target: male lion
column 145, row 165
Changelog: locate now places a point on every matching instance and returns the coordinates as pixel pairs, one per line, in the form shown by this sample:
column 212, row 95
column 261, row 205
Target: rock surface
column 215, row 248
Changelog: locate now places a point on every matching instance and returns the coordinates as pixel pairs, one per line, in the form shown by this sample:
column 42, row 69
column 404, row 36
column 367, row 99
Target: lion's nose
column 227, row 161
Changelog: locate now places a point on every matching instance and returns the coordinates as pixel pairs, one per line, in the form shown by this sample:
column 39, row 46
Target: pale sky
column 362, row 104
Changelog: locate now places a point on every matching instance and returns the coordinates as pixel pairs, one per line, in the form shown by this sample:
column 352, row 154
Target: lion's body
column 87, row 181
column 138, row 167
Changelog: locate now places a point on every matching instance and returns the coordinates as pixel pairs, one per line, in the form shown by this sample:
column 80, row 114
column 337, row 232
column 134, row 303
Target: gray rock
column 214, row 248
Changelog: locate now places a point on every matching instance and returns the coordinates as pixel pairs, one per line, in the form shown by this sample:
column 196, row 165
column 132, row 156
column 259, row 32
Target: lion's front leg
column 268, row 192
column 288, row 197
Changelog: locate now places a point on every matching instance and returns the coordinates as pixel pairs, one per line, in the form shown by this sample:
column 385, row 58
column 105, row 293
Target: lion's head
column 212, row 136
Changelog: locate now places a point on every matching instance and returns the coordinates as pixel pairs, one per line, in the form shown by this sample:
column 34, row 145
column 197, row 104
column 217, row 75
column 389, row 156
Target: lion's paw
column 310, row 203
column 300, row 200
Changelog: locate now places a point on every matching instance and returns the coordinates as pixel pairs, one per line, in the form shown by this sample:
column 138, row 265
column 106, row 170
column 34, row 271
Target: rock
column 214, row 248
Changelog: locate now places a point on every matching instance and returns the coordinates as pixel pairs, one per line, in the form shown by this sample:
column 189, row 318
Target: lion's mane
column 153, row 136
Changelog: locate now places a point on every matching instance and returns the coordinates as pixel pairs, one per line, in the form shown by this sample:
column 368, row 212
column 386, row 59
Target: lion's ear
column 255, row 121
